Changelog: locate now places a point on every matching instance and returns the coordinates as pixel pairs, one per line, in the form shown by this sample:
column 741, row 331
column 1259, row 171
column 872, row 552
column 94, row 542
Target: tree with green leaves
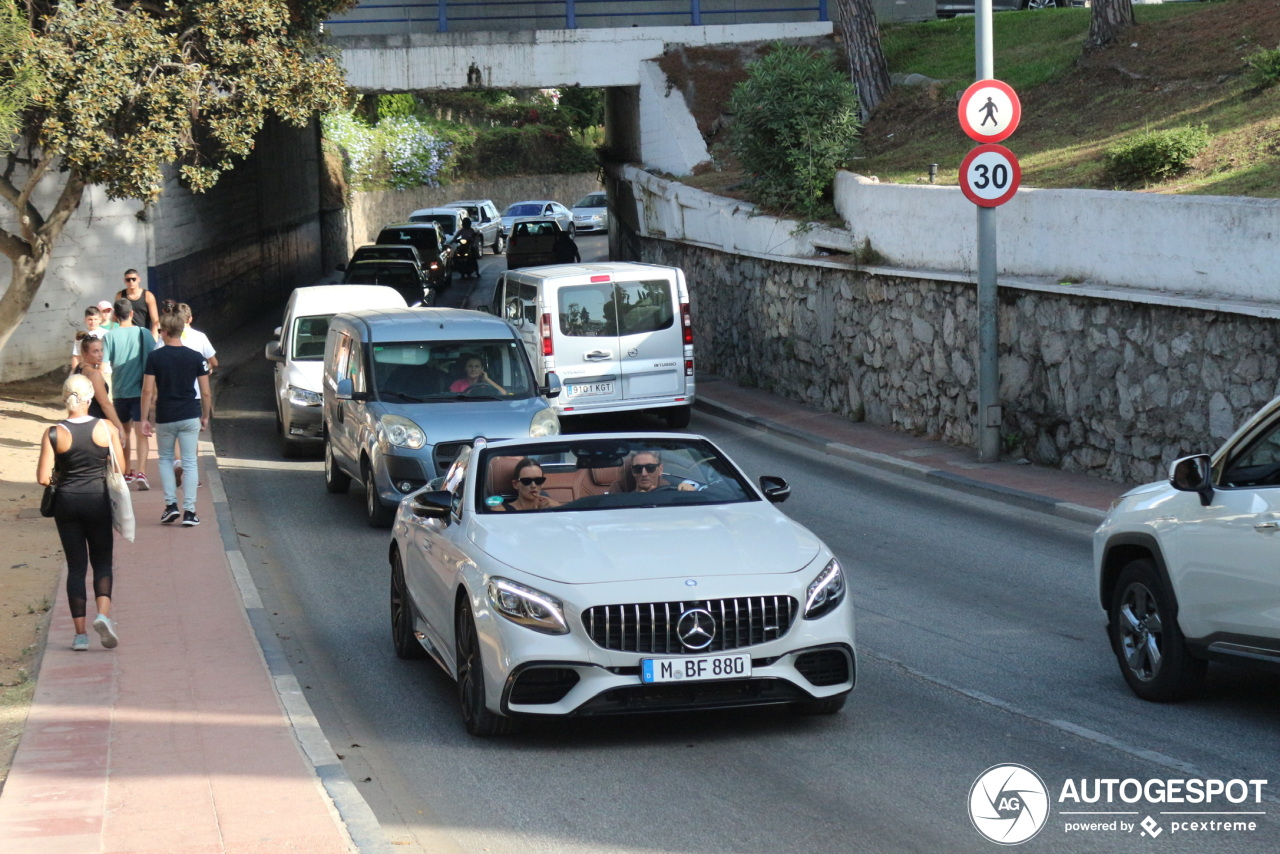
column 795, row 120
column 17, row 76
column 126, row 89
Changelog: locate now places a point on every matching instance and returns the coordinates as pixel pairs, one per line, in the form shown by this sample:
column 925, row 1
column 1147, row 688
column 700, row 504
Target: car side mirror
column 431, row 504
column 552, row 388
column 1193, row 474
column 776, row 490
column 273, row 351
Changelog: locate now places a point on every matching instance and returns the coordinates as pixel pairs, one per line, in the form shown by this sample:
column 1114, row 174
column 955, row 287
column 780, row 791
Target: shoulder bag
column 118, row 493
column 50, row 497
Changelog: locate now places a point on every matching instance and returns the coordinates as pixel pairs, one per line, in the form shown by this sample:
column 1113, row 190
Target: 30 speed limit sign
column 990, row 175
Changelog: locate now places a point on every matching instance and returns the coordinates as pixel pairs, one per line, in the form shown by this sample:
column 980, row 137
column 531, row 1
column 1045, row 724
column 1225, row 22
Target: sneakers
column 106, row 631
column 81, row 643
column 177, row 472
column 190, row 519
column 170, row 514
column 141, row 480
column 130, row 476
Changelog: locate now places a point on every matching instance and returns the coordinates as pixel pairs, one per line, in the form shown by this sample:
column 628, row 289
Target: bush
column 1156, row 154
column 528, row 150
column 794, row 122
column 400, row 151
column 1263, row 68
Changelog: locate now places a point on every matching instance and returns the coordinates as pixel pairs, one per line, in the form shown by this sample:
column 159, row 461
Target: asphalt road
column 980, row 643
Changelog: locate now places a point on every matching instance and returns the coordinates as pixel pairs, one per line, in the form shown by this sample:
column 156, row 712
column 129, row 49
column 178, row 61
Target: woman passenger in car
column 527, row 480
column 474, row 374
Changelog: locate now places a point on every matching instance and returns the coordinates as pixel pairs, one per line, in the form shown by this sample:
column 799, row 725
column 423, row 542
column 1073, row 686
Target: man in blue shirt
column 169, row 402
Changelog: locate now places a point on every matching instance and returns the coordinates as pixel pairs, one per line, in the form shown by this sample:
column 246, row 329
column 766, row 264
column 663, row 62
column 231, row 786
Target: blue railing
column 467, row 13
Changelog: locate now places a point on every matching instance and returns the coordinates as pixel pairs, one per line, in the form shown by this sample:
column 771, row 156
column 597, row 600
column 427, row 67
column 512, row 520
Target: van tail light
column 687, row 321
column 688, row 367
column 545, row 329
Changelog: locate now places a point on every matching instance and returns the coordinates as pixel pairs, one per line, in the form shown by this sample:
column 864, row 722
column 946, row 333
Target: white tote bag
column 121, row 502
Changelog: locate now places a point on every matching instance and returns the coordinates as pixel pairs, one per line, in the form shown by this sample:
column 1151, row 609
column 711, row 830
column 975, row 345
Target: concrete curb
column 906, row 468
column 357, row 817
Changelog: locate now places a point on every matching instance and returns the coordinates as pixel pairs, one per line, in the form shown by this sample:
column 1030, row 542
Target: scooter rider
column 467, row 254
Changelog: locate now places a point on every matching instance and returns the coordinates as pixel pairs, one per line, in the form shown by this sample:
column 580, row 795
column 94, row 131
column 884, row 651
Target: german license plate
column 586, row 389
column 698, row 668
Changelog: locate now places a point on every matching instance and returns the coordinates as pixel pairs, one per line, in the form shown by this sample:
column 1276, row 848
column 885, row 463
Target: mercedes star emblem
column 696, row 628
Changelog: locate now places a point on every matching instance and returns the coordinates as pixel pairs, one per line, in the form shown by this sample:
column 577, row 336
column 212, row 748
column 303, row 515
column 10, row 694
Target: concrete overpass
column 522, row 44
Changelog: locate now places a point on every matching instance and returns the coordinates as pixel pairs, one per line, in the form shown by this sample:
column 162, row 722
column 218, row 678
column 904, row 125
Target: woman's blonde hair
column 77, row 387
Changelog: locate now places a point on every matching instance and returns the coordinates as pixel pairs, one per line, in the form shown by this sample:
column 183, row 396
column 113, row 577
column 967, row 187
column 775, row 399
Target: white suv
column 1189, row 570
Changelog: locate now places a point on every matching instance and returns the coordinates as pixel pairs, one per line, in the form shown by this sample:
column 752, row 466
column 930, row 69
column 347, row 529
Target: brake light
column 688, row 367
column 545, row 329
column 687, row 320
column 600, row 278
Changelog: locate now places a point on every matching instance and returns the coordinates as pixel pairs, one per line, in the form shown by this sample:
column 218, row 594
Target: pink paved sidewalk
column 176, row 741
column 1067, row 494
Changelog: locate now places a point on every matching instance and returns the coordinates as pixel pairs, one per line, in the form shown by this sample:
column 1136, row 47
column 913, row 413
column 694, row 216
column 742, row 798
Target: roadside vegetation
column 429, row 138
column 1186, row 104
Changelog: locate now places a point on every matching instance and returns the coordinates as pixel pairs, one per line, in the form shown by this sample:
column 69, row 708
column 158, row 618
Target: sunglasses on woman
column 647, row 468
column 531, row 481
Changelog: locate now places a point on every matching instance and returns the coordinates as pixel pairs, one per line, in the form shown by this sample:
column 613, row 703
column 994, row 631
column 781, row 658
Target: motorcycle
column 466, row 257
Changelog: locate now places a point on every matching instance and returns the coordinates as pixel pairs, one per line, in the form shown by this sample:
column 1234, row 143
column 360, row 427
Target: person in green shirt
column 127, row 349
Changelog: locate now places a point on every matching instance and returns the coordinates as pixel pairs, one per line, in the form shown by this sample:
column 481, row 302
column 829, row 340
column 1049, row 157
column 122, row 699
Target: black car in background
column 429, row 240
column 405, row 276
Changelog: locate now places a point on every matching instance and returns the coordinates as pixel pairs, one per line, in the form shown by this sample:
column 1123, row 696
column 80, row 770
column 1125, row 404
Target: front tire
column 402, row 634
column 499, row 245
column 1146, row 639
column 477, row 717
column 377, row 514
column 336, row 481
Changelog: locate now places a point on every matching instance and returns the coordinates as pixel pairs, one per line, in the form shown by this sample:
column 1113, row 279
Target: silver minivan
column 405, row 390
column 617, row 334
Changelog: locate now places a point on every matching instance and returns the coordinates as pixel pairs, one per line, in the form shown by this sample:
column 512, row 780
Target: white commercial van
column 617, row 334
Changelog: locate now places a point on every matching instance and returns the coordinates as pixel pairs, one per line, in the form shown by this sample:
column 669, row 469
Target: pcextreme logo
column 1008, row 804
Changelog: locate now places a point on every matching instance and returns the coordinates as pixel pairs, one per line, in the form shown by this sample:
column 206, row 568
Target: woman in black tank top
column 76, row 452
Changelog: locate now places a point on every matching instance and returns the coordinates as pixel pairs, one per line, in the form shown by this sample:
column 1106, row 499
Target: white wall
column 101, row 241
column 669, row 137
column 534, row 58
column 1218, row 245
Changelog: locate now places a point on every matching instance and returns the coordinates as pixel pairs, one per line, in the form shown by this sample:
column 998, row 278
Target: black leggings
column 84, row 525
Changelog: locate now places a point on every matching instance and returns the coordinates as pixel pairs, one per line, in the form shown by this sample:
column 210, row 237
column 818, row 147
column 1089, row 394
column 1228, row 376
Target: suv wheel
column 499, row 245
column 1143, row 625
column 402, row 636
column 377, row 514
column 335, row 479
column 471, row 694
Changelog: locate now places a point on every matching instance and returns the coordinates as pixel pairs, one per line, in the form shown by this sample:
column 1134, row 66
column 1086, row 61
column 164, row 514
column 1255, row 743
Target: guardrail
column 596, row 13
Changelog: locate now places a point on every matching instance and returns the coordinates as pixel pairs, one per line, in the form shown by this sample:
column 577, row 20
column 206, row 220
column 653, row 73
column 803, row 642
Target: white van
column 617, row 334
column 298, row 352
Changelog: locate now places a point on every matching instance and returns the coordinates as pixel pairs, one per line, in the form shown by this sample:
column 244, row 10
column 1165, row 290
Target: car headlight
column 304, row 397
column 401, row 432
column 544, row 423
column 825, row 592
column 530, row 608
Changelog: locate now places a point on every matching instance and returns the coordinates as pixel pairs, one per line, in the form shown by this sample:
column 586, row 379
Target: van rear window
column 620, row 308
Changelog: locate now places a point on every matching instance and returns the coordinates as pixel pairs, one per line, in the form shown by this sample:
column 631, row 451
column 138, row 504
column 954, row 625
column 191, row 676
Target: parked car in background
column 406, row 277
column 533, row 242
column 661, row 580
column 540, row 209
column 428, row 238
column 407, row 390
column 1187, row 568
column 591, row 213
column 298, row 353
column 951, row 8
column 449, row 219
column 485, row 219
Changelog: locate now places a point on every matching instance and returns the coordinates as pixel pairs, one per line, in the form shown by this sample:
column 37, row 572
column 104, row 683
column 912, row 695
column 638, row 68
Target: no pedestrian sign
column 990, row 111
column 990, row 175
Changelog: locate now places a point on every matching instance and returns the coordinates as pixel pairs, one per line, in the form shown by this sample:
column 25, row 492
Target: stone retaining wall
column 1113, row 387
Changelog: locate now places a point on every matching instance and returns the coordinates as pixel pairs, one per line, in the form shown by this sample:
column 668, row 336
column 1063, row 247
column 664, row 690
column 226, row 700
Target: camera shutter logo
column 1008, row 804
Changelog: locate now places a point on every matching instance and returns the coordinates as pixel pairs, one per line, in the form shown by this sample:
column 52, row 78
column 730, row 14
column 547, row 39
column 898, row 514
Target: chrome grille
column 651, row 626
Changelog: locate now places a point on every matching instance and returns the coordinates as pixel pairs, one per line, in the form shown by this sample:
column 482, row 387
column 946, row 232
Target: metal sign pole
column 989, row 415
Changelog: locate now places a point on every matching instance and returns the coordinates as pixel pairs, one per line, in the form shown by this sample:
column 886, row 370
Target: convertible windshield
column 601, row 474
column 421, row 371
